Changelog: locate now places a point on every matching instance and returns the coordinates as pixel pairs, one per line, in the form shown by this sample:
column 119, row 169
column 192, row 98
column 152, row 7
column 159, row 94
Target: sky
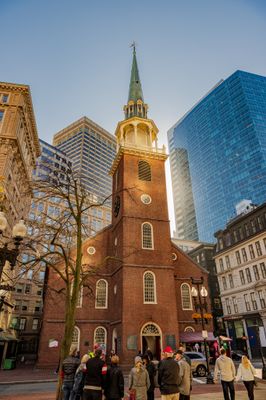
column 75, row 55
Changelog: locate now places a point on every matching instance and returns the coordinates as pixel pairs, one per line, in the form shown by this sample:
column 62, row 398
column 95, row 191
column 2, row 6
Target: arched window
column 149, row 286
column 101, row 294
column 144, row 171
column 100, row 336
column 147, row 235
column 186, row 297
column 76, row 337
column 189, row 329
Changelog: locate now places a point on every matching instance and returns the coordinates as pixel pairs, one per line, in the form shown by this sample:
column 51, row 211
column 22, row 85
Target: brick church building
column 142, row 295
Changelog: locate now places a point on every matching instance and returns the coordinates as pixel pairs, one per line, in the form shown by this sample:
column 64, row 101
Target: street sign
column 204, row 334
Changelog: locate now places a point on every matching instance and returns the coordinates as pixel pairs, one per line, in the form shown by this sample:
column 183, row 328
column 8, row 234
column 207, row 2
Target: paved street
column 46, row 391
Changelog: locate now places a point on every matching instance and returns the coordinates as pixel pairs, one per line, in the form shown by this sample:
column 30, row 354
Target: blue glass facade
column 225, row 138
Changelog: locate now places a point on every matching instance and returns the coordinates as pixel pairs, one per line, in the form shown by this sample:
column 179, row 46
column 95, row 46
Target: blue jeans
column 67, row 388
column 228, row 387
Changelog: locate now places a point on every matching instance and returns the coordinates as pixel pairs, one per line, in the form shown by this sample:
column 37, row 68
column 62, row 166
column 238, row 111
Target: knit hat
column 168, row 350
column 138, row 359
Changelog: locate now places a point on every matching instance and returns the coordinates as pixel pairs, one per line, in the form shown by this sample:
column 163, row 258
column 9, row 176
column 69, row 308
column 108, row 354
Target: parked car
column 198, row 363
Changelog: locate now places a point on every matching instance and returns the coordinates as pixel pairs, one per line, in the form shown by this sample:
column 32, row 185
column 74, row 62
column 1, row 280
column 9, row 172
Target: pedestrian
column 139, row 380
column 69, row 367
column 185, row 376
column 114, row 387
column 225, row 366
column 182, row 348
column 168, row 376
column 76, row 393
column 150, row 367
column 95, row 377
column 149, row 353
column 247, row 373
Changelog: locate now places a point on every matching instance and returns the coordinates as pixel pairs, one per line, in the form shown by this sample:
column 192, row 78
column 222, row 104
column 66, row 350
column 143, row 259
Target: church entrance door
column 151, row 337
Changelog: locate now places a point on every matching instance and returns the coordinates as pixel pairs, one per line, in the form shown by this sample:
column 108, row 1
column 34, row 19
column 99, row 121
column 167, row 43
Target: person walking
column 139, row 380
column 184, row 375
column 247, row 373
column 150, row 367
column 95, row 377
column 114, row 387
column 225, row 366
column 168, row 376
column 77, row 390
column 69, row 367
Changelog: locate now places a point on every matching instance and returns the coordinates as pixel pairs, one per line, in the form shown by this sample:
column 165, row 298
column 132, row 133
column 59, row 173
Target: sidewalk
column 260, row 394
column 26, row 374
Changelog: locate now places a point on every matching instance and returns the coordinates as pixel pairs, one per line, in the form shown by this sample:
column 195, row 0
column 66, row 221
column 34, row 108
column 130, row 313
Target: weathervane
column 134, row 44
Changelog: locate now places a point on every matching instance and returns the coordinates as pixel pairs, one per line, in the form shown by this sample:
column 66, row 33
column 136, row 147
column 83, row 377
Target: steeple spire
column 135, row 105
column 135, row 89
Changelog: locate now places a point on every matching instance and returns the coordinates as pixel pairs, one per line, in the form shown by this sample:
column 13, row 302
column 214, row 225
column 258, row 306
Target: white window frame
column 190, row 299
column 106, row 294
column 105, row 336
column 76, row 343
column 142, row 237
column 154, row 288
column 189, row 329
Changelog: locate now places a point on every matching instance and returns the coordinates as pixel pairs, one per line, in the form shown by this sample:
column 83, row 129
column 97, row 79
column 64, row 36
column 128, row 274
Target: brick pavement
column 260, row 394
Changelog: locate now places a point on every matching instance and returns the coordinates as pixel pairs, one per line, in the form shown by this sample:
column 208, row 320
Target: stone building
column 241, row 267
column 141, row 296
column 19, row 149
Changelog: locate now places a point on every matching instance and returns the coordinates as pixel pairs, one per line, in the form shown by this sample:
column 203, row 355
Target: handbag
column 132, row 394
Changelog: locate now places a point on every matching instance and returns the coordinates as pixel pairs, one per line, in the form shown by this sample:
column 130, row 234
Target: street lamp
column 200, row 303
column 10, row 254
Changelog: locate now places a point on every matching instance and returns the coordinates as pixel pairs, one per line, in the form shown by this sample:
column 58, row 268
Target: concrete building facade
column 19, row 149
column 241, row 267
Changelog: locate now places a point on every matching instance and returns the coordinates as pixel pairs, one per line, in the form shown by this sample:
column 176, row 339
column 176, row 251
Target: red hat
column 168, row 349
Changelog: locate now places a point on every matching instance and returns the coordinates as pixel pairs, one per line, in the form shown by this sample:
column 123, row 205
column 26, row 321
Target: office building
column 91, row 150
column 218, row 155
column 240, row 259
column 19, row 149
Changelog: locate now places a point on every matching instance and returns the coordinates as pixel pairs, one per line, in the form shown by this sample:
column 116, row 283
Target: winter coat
column 96, row 373
column 152, row 372
column 77, row 389
column 226, row 367
column 114, row 388
column 168, row 376
column 140, row 381
column 246, row 374
column 69, row 367
column 185, row 377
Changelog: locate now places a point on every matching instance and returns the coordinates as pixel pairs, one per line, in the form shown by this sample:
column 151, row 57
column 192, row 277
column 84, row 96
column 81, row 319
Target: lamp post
column 10, row 254
column 199, row 297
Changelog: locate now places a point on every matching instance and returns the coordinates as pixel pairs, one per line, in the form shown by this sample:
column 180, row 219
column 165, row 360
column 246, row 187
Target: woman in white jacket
column 247, row 372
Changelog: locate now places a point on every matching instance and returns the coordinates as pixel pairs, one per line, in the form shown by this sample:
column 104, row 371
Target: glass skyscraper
column 218, row 155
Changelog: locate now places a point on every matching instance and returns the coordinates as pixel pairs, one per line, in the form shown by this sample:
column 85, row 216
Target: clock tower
column 141, row 231
column 140, row 291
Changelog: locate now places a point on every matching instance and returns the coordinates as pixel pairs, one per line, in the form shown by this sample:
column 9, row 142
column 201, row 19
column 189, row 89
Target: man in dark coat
column 114, row 386
column 168, row 376
column 95, row 377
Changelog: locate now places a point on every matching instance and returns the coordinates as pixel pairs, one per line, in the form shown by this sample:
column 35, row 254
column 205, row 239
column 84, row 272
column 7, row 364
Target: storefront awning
column 225, row 338
column 189, row 337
